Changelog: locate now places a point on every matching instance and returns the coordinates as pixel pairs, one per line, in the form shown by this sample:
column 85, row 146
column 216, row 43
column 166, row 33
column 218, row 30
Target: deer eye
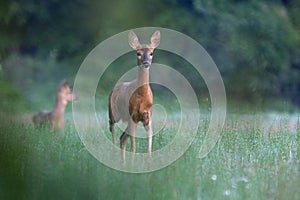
column 151, row 54
column 139, row 54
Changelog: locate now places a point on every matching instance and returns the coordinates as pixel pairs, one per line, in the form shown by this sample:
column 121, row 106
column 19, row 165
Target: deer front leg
column 132, row 138
column 148, row 128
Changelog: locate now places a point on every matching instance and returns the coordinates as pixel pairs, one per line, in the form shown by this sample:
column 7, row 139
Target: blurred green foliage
column 255, row 43
column 11, row 100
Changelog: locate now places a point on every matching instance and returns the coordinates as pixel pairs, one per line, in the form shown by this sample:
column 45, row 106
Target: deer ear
column 62, row 84
column 155, row 39
column 133, row 40
column 65, row 82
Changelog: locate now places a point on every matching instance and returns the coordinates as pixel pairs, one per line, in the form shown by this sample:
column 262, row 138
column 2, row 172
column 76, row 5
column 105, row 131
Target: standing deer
column 132, row 101
column 55, row 118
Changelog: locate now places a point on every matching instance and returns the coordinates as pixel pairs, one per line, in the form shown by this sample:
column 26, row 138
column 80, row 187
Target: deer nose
column 146, row 64
column 74, row 97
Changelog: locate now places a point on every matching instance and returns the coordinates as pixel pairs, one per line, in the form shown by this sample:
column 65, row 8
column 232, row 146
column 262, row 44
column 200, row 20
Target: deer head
column 65, row 93
column 144, row 52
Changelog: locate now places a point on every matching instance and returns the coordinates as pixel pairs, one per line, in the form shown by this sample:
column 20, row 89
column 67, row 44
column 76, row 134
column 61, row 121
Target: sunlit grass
column 248, row 162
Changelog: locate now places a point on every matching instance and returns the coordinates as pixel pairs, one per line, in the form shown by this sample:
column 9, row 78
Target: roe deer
column 132, row 101
column 55, row 118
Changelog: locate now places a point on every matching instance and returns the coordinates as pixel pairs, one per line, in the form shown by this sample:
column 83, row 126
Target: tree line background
column 255, row 44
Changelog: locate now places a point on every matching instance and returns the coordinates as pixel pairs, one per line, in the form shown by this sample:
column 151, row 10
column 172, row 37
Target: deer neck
column 143, row 79
column 59, row 107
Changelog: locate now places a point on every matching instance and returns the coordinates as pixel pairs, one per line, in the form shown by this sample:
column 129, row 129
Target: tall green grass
column 246, row 163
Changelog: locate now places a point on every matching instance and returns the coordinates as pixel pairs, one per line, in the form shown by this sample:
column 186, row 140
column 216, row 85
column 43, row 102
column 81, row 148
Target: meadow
column 248, row 162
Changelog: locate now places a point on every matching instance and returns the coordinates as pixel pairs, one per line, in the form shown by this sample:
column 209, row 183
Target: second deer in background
column 55, row 118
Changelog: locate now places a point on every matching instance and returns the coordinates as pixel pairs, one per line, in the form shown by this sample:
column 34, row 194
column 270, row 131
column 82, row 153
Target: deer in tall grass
column 132, row 101
column 55, row 118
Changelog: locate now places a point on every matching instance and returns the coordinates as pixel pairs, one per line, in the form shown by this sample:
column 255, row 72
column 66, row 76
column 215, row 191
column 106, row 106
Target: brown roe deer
column 55, row 118
column 132, row 101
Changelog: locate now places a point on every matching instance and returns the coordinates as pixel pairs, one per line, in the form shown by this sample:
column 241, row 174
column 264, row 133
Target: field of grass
column 248, row 162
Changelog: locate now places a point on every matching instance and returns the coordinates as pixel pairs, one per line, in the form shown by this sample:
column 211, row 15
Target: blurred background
column 255, row 44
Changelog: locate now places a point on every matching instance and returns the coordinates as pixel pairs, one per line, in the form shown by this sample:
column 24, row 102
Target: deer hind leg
column 112, row 120
column 40, row 119
column 36, row 121
column 129, row 132
column 123, row 140
column 112, row 130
